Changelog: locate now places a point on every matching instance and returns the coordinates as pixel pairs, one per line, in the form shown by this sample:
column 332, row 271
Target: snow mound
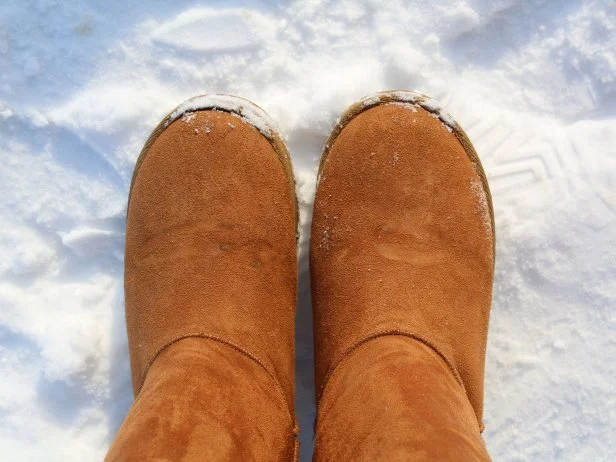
column 209, row 30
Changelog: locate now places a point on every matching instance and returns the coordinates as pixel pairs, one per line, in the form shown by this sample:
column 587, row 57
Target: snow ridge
column 249, row 112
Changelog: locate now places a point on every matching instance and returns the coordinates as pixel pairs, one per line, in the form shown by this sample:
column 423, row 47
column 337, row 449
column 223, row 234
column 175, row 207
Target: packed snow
column 533, row 82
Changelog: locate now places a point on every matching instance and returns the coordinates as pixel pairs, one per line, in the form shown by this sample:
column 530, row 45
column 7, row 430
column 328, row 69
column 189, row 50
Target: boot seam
column 392, row 332
column 385, row 333
column 238, row 348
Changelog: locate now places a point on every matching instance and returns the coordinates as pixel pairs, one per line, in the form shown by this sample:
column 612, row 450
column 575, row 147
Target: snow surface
column 82, row 84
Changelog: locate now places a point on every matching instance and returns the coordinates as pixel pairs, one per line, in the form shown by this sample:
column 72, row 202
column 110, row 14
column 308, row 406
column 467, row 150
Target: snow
column 412, row 100
column 192, row 30
column 247, row 110
column 484, row 209
column 533, row 83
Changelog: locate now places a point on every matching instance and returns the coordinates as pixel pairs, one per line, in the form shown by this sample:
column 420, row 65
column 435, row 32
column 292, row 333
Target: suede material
column 402, row 242
column 210, row 289
column 210, row 245
column 395, row 399
column 203, row 400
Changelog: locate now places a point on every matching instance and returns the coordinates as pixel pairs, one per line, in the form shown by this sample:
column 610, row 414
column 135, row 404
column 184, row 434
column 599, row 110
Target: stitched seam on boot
column 392, row 332
column 236, row 347
column 296, row 451
column 380, row 334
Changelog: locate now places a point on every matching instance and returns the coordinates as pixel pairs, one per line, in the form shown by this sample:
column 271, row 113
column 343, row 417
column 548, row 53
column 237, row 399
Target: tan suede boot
column 402, row 258
column 210, row 284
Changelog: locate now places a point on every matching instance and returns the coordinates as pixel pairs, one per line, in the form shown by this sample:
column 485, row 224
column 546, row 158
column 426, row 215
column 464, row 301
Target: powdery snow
column 483, row 208
column 412, row 100
column 533, row 83
column 247, row 110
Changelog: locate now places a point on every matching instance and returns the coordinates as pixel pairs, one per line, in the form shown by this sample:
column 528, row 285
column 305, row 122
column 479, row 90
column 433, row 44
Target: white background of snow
column 81, row 85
